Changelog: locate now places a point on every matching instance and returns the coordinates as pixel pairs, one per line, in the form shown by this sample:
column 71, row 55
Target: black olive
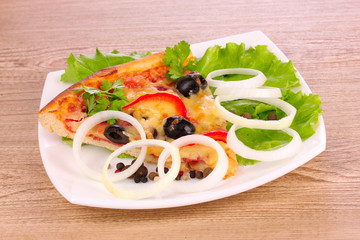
column 178, row 126
column 191, row 84
column 203, row 82
column 115, row 134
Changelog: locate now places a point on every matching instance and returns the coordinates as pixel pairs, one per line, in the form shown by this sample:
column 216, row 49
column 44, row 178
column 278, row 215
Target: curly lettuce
column 279, row 74
column 83, row 66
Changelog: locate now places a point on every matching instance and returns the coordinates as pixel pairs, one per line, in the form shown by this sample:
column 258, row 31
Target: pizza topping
column 178, row 126
column 115, row 133
column 219, row 135
column 157, row 99
column 191, row 84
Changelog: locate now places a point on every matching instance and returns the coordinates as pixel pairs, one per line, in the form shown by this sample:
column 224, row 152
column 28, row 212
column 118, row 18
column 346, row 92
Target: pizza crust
column 52, row 117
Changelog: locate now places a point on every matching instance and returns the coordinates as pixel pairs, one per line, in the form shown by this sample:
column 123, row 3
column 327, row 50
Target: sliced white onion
column 150, row 189
column 212, row 179
column 256, row 81
column 90, row 123
column 257, row 123
column 287, row 151
column 230, row 93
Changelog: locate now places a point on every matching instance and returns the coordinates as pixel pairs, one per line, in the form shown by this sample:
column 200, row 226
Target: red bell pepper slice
column 217, row 135
column 161, row 96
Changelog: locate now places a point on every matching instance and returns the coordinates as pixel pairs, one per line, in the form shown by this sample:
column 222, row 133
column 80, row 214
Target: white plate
column 78, row 189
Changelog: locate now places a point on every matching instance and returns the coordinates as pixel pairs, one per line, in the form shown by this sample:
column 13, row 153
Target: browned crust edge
column 148, row 62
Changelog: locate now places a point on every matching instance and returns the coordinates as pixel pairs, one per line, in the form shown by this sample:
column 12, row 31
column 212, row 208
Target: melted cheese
column 200, row 107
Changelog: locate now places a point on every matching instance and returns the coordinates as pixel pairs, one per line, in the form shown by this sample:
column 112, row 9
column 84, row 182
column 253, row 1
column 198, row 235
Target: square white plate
column 78, row 189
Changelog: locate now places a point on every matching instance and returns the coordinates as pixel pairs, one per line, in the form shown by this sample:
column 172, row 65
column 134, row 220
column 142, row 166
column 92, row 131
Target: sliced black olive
column 191, row 84
column 115, row 134
column 203, row 82
column 154, row 133
column 178, row 126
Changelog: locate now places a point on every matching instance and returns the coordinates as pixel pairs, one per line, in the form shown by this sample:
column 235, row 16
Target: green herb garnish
column 110, row 96
column 175, row 58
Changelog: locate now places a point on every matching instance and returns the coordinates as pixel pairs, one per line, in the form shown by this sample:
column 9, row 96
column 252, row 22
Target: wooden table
column 320, row 200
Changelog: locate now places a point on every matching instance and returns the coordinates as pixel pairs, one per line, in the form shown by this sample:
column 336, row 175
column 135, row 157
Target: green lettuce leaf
column 258, row 110
column 260, row 139
column 308, row 112
column 83, row 66
column 279, row 74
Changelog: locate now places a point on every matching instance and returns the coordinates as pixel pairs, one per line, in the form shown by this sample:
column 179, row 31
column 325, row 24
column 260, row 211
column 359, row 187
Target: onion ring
column 230, row 93
column 94, row 120
column 287, row 151
column 212, row 179
column 256, row 81
column 258, row 123
column 150, row 189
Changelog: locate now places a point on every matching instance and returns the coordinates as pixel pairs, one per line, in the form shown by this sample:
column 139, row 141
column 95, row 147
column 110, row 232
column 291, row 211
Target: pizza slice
column 165, row 108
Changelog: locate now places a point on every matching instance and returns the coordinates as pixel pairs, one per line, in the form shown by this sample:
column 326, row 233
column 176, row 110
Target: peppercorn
column 246, row 115
column 192, row 174
column 165, row 169
column 152, row 175
column 120, row 166
column 137, row 179
column 142, row 171
column 126, row 167
column 199, row 175
column 143, row 179
column 272, row 116
column 207, row 171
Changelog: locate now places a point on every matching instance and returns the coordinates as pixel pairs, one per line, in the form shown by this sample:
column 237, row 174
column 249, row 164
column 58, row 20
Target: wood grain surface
column 320, row 200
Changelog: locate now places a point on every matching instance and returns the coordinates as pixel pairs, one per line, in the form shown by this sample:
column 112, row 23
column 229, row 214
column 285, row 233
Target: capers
column 191, row 84
column 178, row 126
column 115, row 134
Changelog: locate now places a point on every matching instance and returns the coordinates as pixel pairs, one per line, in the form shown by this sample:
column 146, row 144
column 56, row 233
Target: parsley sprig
column 175, row 58
column 110, row 96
